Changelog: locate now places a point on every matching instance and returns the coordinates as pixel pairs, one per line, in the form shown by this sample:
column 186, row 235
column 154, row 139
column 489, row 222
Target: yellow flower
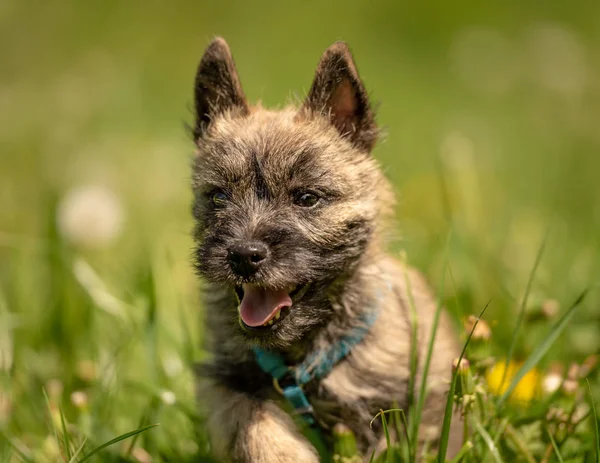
column 527, row 388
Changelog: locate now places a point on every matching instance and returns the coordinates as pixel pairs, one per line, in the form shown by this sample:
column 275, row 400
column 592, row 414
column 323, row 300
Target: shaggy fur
column 257, row 163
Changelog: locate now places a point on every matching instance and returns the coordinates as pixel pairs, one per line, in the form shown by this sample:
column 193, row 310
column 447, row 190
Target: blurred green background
column 490, row 111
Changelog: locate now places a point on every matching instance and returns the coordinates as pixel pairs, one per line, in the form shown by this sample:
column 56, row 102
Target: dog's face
column 285, row 201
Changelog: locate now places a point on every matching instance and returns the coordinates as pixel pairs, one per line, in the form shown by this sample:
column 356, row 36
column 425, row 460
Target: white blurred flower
column 141, row 455
column 481, row 331
column 570, row 386
column 54, row 389
column 550, row 307
column 168, row 397
column 172, row 364
column 558, row 58
column 551, row 382
column 90, row 216
column 79, row 399
column 485, row 60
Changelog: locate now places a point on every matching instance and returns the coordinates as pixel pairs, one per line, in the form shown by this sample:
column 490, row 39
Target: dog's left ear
column 338, row 94
column 217, row 87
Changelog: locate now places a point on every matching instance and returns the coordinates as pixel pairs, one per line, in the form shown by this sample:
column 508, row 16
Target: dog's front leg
column 245, row 429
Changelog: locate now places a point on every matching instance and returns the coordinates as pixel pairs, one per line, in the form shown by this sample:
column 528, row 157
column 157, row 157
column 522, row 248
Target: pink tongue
column 259, row 305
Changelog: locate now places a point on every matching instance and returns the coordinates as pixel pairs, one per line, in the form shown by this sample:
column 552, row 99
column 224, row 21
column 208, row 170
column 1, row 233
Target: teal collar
column 289, row 380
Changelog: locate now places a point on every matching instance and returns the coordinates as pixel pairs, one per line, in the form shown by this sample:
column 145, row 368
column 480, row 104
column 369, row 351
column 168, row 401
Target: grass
column 458, row 372
column 489, row 112
column 543, row 347
column 556, row 449
column 521, row 314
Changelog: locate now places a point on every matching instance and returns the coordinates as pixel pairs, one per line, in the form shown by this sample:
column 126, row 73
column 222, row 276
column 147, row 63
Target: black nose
column 246, row 258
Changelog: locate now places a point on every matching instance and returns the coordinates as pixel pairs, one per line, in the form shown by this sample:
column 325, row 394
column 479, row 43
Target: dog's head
column 286, row 202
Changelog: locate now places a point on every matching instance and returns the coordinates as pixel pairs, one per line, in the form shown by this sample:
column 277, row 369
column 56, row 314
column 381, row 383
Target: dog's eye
column 218, row 198
column 306, row 199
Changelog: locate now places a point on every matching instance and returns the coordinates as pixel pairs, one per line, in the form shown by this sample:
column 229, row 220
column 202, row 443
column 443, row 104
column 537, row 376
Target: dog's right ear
column 217, row 87
column 338, row 94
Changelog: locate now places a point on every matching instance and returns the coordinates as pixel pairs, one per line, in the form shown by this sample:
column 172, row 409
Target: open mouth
column 263, row 309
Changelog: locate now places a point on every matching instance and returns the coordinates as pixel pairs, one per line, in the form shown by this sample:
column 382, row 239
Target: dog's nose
column 246, row 258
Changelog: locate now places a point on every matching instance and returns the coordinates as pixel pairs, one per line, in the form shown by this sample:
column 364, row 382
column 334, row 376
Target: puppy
column 291, row 212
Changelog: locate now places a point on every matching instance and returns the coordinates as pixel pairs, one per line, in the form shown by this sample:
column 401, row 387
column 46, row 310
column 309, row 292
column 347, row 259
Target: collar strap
column 289, row 380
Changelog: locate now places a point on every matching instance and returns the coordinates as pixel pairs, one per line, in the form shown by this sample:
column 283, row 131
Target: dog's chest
column 346, row 396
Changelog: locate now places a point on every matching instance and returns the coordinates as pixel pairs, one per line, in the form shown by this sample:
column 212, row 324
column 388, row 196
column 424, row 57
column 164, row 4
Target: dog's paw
column 273, row 438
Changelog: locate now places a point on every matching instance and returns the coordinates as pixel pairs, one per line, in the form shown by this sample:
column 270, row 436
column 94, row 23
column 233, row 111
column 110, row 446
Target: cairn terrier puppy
column 291, row 212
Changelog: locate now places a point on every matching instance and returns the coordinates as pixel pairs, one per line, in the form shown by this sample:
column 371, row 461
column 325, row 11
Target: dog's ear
column 217, row 87
column 338, row 94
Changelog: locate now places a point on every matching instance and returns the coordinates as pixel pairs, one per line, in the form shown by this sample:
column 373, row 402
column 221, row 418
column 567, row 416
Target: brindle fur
column 260, row 158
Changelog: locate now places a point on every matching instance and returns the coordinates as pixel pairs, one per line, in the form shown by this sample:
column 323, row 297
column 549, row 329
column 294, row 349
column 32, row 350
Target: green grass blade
column 464, row 450
column 445, row 435
column 115, row 440
column 16, row 447
column 543, row 347
column 388, row 441
column 489, row 442
column 521, row 314
column 400, row 421
column 511, row 434
column 595, row 422
column 144, row 418
column 386, row 430
column 66, row 440
column 556, row 450
column 397, row 423
column 344, row 445
column 49, row 405
column 414, row 333
column 389, row 410
column 78, row 451
column 418, row 409
column 500, row 430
